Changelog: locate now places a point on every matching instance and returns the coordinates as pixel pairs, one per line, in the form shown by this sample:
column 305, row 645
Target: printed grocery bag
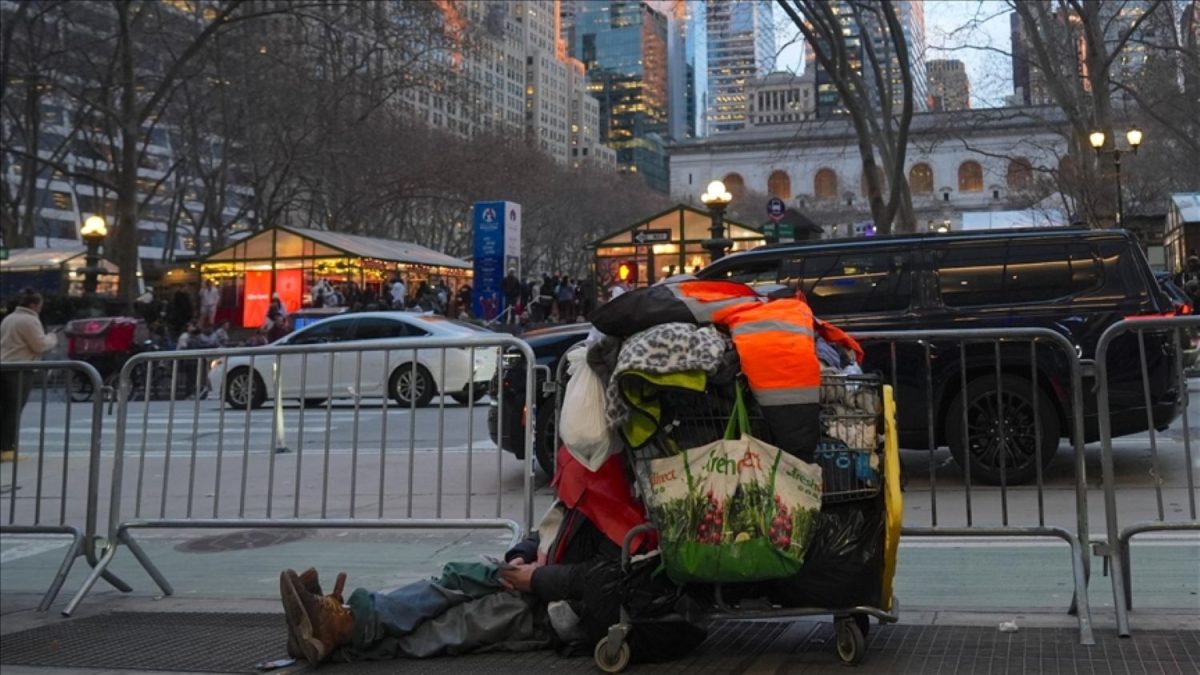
column 735, row 510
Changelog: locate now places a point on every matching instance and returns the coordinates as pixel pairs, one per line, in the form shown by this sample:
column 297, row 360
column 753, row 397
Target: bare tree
column 864, row 77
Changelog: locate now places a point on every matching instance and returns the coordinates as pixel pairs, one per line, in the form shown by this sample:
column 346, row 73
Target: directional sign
column 776, row 209
column 651, row 236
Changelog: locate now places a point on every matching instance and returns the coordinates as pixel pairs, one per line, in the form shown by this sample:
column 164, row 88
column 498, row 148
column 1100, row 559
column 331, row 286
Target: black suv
column 549, row 345
column 1077, row 282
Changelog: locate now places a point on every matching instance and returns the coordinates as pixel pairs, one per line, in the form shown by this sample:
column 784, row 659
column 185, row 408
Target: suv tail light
column 1153, row 315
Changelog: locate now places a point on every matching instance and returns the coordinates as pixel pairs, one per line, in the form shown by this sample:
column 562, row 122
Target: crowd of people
column 551, row 299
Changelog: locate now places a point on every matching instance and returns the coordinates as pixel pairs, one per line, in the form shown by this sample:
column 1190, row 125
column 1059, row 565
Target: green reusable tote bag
column 736, row 510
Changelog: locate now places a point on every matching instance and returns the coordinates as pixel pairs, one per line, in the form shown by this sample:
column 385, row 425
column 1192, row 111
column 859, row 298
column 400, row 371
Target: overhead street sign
column 651, row 236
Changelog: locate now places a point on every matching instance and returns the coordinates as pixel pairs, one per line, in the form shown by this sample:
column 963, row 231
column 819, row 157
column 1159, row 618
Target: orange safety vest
column 777, row 347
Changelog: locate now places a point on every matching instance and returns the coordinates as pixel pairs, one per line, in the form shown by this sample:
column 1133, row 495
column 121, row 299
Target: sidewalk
column 138, row 634
column 225, row 616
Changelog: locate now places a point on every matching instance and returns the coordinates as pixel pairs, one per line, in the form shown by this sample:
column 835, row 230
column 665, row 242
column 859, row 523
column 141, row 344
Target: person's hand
column 519, row 578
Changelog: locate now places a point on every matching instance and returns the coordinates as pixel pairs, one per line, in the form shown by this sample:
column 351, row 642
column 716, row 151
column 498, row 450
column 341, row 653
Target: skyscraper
column 949, row 87
column 741, row 47
column 623, row 45
column 911, row 16
column 687, row 65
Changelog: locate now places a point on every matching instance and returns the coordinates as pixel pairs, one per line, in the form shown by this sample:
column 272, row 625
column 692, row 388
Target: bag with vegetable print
column 736, row 510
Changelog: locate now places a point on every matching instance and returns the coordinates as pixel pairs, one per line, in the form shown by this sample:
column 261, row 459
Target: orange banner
column 256, row 299
column 289, row 284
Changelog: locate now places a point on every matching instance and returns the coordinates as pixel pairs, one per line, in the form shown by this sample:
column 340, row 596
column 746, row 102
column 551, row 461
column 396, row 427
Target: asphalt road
column 390, row 447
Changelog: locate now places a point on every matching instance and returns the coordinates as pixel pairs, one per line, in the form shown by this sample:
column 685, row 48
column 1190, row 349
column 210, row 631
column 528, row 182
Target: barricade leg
column 63, row 570
column 97, row 570
column 125, row 537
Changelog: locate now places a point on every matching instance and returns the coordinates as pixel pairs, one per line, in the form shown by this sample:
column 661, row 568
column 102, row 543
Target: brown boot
column 320, row 624
column 311, row 583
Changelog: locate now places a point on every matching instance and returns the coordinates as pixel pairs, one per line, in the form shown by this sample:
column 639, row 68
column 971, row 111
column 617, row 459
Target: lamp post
column 717, row 199
column 94, row 231
column 1134, row 138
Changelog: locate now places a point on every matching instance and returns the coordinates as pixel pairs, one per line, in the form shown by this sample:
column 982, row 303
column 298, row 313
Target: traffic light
column 627, row 272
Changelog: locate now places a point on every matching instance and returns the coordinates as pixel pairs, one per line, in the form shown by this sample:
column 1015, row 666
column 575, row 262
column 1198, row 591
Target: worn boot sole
column 311, row 582
column 299, row 624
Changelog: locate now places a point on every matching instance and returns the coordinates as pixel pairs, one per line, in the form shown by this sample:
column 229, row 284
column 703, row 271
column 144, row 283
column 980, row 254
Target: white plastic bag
column 582, row 424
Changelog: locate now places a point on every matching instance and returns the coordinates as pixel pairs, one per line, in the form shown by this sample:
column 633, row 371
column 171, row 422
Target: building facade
column 949, row 87
column 911, row 16
column 516, row 78
column 741, row 47
column 781, row 98
column 623, row 45
column 958, row 162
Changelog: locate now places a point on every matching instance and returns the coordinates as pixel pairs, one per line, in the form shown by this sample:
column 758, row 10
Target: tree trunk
column 125, row 239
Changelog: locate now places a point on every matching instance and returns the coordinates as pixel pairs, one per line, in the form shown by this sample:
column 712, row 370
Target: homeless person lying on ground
column 538, row 603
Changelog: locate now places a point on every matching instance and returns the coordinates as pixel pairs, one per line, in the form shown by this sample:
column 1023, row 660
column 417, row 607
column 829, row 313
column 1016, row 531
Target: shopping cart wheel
column 863, row 622
column 612, row 663
column 851, row 645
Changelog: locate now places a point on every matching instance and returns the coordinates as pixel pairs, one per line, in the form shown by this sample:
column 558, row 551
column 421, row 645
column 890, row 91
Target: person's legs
column 497, row 620
column 14, row 390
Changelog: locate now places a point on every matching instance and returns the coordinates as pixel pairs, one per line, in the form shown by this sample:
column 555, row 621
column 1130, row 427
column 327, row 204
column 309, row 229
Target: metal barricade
column 981, row 358
column 976, row 359
column 286, row 475
column 1170, row 370
column 54, row 506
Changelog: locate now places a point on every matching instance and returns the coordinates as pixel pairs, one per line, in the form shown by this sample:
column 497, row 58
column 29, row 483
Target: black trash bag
column 645, row 595
column 843, row 566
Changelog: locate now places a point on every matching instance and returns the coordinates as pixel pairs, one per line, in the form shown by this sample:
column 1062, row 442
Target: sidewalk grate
column 171, row 641
column 233, row 643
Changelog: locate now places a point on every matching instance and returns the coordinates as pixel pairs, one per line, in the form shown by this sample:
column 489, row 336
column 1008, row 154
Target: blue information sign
column 497, row 249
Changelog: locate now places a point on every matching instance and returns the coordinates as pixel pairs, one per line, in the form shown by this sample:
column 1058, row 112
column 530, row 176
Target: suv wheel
column 1018, row 453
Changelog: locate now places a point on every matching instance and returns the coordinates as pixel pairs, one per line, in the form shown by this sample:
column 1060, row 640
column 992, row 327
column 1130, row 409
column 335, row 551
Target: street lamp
column 94, row 231
column 717, row 199
column 1134, row 138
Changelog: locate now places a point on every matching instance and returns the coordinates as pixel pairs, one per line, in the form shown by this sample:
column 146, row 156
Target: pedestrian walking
column 181, row 312
column 464, row 302
column 512, row 295
column 210, row 298
column 22, row 338
column 566, row 300
column 398, row 292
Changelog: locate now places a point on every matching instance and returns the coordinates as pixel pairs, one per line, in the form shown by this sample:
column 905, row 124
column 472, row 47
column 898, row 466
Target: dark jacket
column 512, row 287
column 577, row 549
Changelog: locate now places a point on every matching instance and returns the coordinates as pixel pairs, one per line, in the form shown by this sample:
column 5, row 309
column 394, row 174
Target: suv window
column 1004, row 273
column 378, row 329
column 329, row 331
column 851, row 282
column 755, row 273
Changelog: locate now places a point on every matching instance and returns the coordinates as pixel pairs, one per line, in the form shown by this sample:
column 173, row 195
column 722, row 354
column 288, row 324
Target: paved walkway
column 225, row 616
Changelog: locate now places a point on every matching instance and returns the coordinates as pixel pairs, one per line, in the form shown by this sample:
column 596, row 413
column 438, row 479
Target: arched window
column 825, row 184
column 883, row 189
column 970, row 177
column 779, row 184
column 920, row 179
column 735, row 185
column 1020, row 174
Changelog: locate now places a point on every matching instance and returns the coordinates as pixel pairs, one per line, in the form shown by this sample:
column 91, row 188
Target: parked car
column 549, row 345
column 398, row 379
column 1077, row 282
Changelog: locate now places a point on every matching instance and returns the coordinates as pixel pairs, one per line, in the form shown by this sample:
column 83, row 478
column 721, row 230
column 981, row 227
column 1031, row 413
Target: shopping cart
column 857, row 412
